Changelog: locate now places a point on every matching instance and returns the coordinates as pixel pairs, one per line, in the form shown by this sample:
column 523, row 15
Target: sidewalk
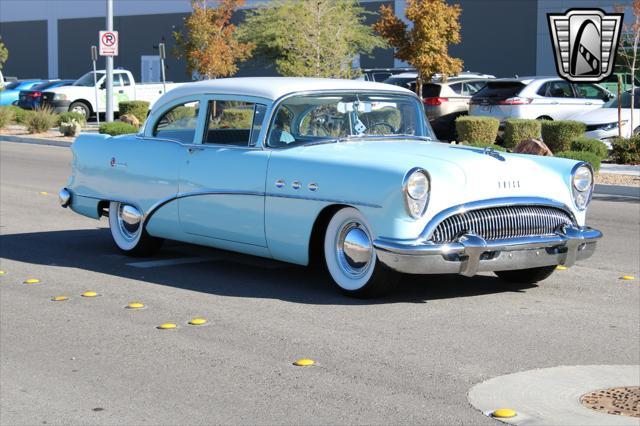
column 620, row 169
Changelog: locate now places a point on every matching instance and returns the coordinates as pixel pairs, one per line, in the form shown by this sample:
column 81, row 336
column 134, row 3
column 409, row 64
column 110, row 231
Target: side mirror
column 103, row 86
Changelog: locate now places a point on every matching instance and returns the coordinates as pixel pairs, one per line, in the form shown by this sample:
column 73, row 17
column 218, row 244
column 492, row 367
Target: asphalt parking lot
column 410, row 358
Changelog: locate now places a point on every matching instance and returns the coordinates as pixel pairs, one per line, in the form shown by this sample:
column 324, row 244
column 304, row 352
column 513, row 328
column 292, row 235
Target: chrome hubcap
column 129, row 221
column 354, row 250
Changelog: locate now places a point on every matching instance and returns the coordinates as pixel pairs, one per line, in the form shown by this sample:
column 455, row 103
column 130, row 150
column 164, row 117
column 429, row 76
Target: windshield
column 625, row 100
column 301, row 120
column 87, row 79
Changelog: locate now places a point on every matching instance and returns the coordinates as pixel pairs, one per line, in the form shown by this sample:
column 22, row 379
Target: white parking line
column 169, row 262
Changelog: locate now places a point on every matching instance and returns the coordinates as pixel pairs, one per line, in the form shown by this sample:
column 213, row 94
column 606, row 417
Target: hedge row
column 626, row 151
column 558, row 135
column 138, row 108
column 480, row 131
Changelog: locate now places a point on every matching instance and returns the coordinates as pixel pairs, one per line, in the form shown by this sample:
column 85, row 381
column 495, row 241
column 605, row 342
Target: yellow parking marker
column 2, row 272
column 304, row 362
column 44, row 193
column 504, row 413
column 561, row 268
column 135, row 305
column 89, row 294
column 198, row 321
column 628, row 277
column 167, row 326
column 31, row 281
column 59, row 298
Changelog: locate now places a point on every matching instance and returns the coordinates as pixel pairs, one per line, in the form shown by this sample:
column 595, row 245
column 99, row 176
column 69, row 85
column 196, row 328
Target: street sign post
column 109, row 41
column 161, row 52
column 94, row 59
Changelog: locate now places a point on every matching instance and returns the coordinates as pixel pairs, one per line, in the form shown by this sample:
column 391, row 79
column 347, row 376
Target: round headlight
column 582, row 179
column 418, row 185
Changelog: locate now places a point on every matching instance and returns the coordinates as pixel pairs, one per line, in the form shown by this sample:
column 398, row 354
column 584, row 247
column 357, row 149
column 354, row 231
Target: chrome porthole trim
column 313, row 187
column 354, row 250
column 296, row 184
column 280, row 183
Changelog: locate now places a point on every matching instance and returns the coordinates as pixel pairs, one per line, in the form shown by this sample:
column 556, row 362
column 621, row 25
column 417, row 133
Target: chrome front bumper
column 472, row 254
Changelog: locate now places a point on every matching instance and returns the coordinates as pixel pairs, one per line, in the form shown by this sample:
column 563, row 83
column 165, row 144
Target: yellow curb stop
column 304, row 362
column 31, row 281
column 167, row 326
column 504, row 413
column 135, row 305
column 628, row 277
column 198, row 321
column 59, row 298
column 89, row 294
column 561, row 268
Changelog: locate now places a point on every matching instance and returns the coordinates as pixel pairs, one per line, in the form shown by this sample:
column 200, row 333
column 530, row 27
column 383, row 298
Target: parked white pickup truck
column 80, row 96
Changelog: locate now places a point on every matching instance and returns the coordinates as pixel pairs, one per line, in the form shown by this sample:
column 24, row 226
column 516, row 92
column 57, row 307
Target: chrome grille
column 496, row 223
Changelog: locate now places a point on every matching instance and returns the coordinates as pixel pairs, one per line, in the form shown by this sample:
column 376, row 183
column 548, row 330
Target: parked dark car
column 32, row 98
column 382, row 74
column 10, row 92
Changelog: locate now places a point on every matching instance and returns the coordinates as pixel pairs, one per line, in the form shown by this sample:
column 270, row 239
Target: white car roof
column 273, row 87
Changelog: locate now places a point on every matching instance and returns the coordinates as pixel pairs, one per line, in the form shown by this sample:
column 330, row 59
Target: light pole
column 109, row 61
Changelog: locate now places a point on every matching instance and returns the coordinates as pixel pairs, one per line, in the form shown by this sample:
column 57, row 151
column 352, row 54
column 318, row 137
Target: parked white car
column 549, row 98
column 602, row 123
column 80, row 96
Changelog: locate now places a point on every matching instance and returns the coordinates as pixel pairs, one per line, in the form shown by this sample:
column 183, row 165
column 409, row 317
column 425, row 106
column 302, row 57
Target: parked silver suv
column 445, row 101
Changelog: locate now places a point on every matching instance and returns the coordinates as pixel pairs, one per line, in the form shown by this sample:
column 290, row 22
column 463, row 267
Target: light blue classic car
column 347, row 172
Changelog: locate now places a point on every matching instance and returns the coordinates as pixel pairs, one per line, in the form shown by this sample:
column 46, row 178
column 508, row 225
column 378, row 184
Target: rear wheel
column 527, row 276
column 131, row 238
column 351, row 259
column 82, row 108
column 544, row 117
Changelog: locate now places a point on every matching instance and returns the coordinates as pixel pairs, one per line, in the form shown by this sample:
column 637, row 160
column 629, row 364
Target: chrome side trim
column 493, row 202
column 325, row 200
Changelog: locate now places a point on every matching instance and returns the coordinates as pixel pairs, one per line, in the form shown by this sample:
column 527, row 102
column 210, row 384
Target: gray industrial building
column 52, row 38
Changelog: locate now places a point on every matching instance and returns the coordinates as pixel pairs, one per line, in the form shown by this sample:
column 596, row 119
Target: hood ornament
column 490, row 151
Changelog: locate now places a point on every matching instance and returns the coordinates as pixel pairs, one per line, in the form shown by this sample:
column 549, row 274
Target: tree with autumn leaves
column 209, row 43
column 425, row 45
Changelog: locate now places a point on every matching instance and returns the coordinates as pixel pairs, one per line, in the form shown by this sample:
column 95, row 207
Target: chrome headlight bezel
column 416, row 202
column 582, row 193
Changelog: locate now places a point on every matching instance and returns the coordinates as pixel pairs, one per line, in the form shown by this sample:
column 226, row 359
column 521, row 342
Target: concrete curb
column 34, row 141
column 619, row 190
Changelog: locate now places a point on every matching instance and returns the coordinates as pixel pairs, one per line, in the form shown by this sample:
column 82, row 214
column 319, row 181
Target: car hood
column 459, row 174
column 604, row 115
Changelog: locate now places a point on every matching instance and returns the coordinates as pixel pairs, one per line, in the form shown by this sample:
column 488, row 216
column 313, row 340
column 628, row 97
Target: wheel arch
column 316, row 237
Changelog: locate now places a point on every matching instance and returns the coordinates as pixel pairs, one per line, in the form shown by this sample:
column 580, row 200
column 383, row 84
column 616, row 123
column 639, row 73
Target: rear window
column 499, row 90
column 430, row 90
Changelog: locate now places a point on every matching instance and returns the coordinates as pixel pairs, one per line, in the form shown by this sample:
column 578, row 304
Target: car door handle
column 120, row 91
column 588, row 103
column 194, row 149
column 555, row 103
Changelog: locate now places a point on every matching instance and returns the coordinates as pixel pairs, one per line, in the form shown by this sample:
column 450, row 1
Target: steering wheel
column 391, row 130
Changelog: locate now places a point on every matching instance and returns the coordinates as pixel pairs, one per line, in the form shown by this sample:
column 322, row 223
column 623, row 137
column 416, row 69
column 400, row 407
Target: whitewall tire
column 129, row 237
column 350, row 257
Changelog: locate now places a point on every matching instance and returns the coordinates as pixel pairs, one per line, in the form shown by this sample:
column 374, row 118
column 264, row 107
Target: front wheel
column 526, row 276
column 351, row 259
column 82, row 108
column 131, row 238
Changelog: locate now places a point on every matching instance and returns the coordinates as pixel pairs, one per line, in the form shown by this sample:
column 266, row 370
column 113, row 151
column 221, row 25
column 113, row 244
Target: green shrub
column 626, row 151
column 70, row 128
column 590, row 145
column 477, row 130
column 19, row 115
column 138, row 108
column 117, row 128
column 67, row 117
column 235, row 118
column 6, row 116
column 589, row 157
column 41, row 120
column 557, row 135
column 518, row 130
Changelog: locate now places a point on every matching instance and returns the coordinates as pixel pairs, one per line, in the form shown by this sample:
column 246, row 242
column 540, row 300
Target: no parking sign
column 108, row 43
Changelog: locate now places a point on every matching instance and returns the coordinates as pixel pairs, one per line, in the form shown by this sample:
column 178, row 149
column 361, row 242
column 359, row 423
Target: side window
column 230, row 123
column 469, row 89
column 590, row 91
column 456, row 88
column 556, row 89
column 125, row 80
column 179, row 123
column 117, row 80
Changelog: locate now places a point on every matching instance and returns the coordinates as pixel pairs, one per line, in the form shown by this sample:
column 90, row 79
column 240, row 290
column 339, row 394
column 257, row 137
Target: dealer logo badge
column 585, row 43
